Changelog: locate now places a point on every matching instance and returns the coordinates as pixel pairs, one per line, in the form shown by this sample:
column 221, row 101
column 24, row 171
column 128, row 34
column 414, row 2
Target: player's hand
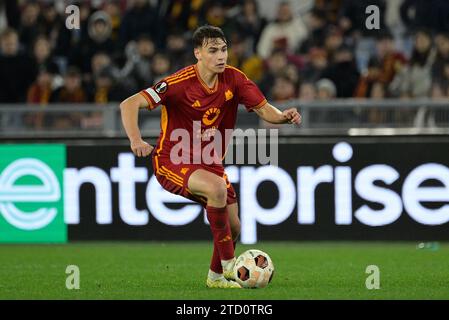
column 292, row 116
column 140, row 148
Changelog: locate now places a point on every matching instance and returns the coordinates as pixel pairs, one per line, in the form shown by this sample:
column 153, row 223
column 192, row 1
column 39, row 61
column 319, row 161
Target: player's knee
column 218, row 192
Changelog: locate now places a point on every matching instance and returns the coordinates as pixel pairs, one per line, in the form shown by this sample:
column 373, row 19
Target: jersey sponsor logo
column 153, row 95
column 228, row 95
column 210, row 116
column 196, row 104
column 161, row 87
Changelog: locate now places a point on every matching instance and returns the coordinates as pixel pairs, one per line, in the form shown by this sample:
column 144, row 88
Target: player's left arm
column 272, row 114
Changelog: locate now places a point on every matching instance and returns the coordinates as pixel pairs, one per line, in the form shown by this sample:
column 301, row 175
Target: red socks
column 215, row 264
column 221, row 231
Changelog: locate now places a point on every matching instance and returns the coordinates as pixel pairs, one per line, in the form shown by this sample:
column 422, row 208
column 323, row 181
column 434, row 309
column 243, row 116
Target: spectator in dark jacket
column 343, row 72
column 138, row 20
column 15, row 67
column 427, row 14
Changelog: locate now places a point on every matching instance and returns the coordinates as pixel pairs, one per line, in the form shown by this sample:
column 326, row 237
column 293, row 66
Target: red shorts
column 174, row 178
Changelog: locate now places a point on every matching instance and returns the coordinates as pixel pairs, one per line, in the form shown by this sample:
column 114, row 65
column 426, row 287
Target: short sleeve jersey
column 189, row 104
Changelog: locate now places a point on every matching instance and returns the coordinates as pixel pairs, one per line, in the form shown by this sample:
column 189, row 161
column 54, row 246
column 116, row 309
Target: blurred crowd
column 306, row 49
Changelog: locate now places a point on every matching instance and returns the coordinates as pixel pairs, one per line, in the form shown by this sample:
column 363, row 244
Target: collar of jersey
column 204, row 85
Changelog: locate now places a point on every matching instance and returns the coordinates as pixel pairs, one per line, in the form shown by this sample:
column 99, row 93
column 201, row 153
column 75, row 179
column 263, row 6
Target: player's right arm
column 129, row 109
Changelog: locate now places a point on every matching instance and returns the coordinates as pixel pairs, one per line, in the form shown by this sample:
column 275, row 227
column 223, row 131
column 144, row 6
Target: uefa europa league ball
column 253, row 269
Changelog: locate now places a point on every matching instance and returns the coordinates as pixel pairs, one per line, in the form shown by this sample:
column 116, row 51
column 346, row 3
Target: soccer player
column 202, row 99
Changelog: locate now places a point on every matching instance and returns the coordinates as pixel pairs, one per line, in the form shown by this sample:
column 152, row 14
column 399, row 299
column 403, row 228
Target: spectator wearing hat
column 98, row 40
column 326, row 89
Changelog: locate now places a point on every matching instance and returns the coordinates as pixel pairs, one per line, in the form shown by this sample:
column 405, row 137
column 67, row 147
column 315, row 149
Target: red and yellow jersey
column 188, row 103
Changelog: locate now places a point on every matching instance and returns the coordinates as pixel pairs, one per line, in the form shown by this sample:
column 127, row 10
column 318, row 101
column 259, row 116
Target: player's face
column 213, row 55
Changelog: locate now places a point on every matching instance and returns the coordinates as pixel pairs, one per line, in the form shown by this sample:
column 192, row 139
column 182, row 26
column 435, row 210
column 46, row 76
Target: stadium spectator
column 50, row 21
column 330, row 8
column 275, row 65
column 160, row 67
column 287, row 32
column 178, row 14
column 112, row 8
column 343, row 72
column 139, row 19
column 178, row 50
column 241, row 56
column 377, row 116
column 442, row 81
column 72, row 90
column 307, row 92
column 39, row 94
column 10, row 10
column 40, row 91
column 391, row 61
column 415, row 80
column 326, row 89
column 316, row 64
column 215, row 15
column 98, row 39
column 332, row 41
column 249, row 23
column 317, row 26
column 29, row 26
column 442, row 56
column 425, row 14
column 353, row 23
column 15, row 68
column 368, row 79
column 42, row 57
column 138, row 63
column 283, row 89
column 106, row 90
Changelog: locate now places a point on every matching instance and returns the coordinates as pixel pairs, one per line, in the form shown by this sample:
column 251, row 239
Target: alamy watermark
column 73, row 20
column 212, row 146
column 372, row 282
column 373, row 20
column 73, row 279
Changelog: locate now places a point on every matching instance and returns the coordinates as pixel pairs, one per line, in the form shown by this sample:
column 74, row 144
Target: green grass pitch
column 174, row 270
